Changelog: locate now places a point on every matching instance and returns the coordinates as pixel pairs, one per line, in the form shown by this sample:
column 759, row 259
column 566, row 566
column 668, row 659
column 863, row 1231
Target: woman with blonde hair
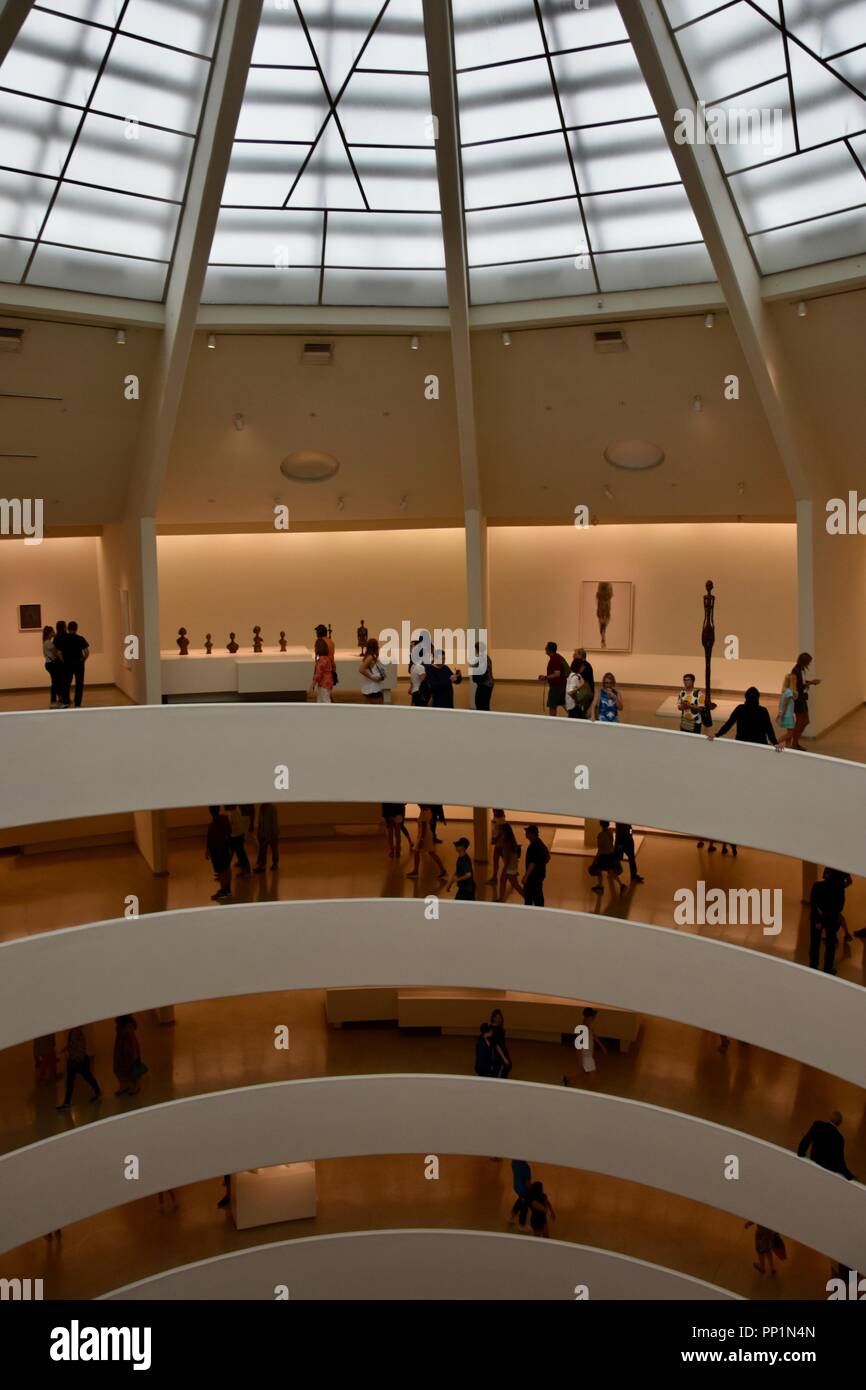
column 786, row 718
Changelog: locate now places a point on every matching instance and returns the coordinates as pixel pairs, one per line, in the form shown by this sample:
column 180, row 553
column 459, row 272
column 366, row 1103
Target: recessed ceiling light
column 634, row 454
column 413, row 342
column 709, row 320
column 211, row 340
column 506, row 340
column 309, row 466
column 697, row 404
column 801, row 309
column 120, row 337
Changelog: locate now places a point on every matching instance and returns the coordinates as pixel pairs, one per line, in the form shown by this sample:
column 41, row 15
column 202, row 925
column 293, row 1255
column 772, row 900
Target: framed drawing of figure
column 30, row 617
column 606, row 614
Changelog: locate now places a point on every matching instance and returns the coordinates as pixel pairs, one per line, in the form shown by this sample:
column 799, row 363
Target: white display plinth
column 258, row 673
column 286, row 1193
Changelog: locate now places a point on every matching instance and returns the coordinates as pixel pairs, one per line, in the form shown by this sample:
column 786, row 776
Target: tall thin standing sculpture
column 708, row 638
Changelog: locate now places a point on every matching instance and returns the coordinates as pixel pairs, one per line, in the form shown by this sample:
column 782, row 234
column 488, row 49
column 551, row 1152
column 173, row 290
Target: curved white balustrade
column 71, row 1176
column 56, row 979
column 422, row 1264
column 147, row 758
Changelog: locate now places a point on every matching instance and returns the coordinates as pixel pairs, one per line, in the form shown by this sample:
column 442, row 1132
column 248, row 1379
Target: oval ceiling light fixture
column 634, row 454
column 309, row 466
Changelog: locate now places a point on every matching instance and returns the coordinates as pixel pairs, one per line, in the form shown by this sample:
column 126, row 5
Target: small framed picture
column 30, row 617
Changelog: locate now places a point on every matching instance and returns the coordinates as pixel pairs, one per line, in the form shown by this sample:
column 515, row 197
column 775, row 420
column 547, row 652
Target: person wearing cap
column 463, row 874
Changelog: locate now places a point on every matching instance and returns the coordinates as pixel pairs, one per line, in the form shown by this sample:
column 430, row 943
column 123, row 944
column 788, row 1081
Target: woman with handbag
column 801, row 697
column 127, row 1064
column 373, row 674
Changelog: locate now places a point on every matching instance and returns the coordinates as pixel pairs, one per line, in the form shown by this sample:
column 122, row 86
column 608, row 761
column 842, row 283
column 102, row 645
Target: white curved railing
column 428, row 1264
column 148, row 758
column 56, row 979
column 69, row 1177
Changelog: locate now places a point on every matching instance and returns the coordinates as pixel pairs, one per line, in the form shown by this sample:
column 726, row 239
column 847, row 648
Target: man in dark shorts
column 75, row 650
column 537, row 859
column 463, row 874
column 556, row 677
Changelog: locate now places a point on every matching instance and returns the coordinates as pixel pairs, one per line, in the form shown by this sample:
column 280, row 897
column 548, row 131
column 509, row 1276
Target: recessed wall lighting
column 697, row 404
column 608, row 492
column 120, row 337
column 801, row 309
column 506, row 340
column 709, row 320
column 211, row 340
column 413, row 342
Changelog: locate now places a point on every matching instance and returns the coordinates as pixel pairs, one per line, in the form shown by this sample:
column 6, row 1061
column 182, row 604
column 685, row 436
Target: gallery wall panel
column 53, row 980
column 422, row 1264
column 69, row 1177
column 153, row 757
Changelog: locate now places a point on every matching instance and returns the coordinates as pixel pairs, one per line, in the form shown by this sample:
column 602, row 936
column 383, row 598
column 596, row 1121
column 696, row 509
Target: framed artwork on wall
column 30, row 617
column 606, row 615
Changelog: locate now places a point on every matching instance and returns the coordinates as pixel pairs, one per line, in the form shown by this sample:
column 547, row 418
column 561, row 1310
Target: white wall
column 52, row 980
column 833, row 615
column 62, row 575
column 294, row 580
column 423, row 1264
column 127, row 562
column 73, row 1175
column 152, row 758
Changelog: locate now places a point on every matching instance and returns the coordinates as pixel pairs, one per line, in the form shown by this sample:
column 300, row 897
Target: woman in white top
column 373, row 673
column 53, row 665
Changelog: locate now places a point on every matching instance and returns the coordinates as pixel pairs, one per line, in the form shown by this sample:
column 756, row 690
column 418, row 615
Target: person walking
column 500, row 1046
column 827, row 1145
column 323, row 672
column 424, row 843
column 394, row 816
column 752, row 721
column 521, row 1181
column 608, row 701
column 54, row 667
column 556, row 677
column 585, row 670
column 509, row 850
column 540, row 1210
column 825, row 919
column 606, row 860
column 593, row 1044
column 497, row 821
column 441, row 681
column 786, row 717
column 75, row 650
column 463, row 874
column 486, row 1063
column 437, row 817
column 218, row 849
column 268, row 836
column 373, row 674
column 766, row 1241
column 64, row 674
column 239, row 824
column 419, row 691
column 127, row 1064
column 801, row 697
column 578, row 692
column 623, row 844
column 482, row 678
column 537, row 860
column 690, row 704
column 78, row 1064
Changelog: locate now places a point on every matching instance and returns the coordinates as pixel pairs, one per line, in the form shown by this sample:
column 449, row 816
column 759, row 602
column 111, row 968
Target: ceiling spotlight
column 341, row 503
column 608, row 492
column 801, row 309
column 413, row 342
column 120, row 337
column 211, row 340
column 697, row 403
column 506, row 340
column 709, row 320
column 239, row 421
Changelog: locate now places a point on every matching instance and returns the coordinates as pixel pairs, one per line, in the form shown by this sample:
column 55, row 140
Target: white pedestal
column 286, row 1193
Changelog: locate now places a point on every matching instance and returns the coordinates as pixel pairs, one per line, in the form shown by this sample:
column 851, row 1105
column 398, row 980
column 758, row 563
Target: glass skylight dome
column 331, row 196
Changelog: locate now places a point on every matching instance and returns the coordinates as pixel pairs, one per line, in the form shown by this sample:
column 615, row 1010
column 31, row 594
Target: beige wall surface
column 62, row 575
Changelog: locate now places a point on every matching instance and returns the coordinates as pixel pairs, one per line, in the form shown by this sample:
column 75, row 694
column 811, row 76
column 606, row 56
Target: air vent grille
column 11, row 339
column 610, row 340
column 318, row 354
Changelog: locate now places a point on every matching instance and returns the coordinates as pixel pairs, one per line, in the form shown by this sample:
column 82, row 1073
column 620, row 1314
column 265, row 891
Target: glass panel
column 518, row 171
column 668, row 265
column 825, row 108
column 87, row 217
column 554, row 279
column 338, row 29
column 249, row 285
column 247, row 236
column 398, row 43
column 281, row 39
column 384, row 239
column 517, row 234
column 13, row 258
column 36, row 134
column 568, row 27
column 398, row 178
column 97, row 11
column 55, row 58
column 827, row 239
column 89, row 272
column 809, row 184
column 262, row 174
column 282, row 106
column 155, row 163
column 853, row 66
column 23, row 201
column 152, row 84
column 754, row 127
column 648, row 217
column 681, row 11
column 825, row 26
column 622, row 156
column 730, row 50
column 375, row 287
column 327, row 180
column 390, row 110
column 500, row 102
column 601, row 85
column 190, row 24
column 493, row 31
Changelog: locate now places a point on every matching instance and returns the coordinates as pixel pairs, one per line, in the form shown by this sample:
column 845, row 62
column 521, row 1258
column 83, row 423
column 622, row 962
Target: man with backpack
column 537, row 860
column 556, row 677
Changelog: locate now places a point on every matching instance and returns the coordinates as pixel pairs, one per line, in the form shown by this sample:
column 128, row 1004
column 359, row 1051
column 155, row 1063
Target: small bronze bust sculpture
column 283, row 644
column 208, row 643
column 257, row 639
column 232, row 645
column 361, row 637
column 182, row 641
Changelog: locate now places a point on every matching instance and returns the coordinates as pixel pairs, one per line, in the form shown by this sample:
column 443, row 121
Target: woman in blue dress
column 608, row 701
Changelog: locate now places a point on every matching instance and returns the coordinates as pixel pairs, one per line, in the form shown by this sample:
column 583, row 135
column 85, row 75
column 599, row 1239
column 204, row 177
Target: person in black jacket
column 827, row 1145
column 825, row 919
column 486, row 1059
column 753, row 721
